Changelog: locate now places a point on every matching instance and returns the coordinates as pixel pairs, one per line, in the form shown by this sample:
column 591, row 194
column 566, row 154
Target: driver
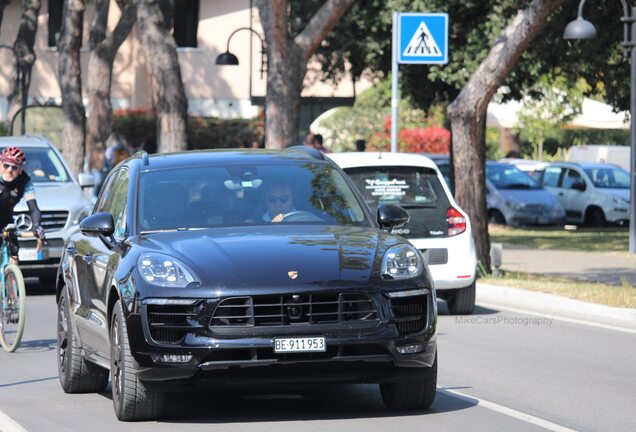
column 280, row 201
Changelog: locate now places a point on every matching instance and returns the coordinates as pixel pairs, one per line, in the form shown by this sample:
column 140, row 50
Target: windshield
column 505, row 176
column 608, row 177
column 237, row 195
column 44, row 166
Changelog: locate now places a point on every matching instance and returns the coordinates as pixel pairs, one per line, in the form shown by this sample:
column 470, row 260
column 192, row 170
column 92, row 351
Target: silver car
column 60, row 198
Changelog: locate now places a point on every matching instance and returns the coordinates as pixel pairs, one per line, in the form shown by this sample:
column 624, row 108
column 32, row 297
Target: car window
column 571, row 177
column 106, row 192
column 236, row 195
column 551, row 176
column 400, row 185
column 43, row 165
column 417, row 189
column 504, row 176
column 116, row 206
column 608, row 177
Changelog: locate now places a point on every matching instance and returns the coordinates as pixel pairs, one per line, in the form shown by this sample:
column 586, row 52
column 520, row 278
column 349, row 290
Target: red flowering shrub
column 430, row 139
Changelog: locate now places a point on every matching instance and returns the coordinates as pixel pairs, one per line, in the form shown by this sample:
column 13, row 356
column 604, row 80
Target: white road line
column 7, row 424
column 527, row 418
column 559, row 318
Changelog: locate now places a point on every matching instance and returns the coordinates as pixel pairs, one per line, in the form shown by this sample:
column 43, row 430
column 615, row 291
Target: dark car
column 241, row 267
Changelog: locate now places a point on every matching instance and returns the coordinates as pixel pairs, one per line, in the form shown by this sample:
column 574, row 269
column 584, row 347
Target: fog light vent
column 171, row 358
column 411, row 348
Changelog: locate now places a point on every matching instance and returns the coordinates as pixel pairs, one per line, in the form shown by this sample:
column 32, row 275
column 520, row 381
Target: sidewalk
column 607, row 267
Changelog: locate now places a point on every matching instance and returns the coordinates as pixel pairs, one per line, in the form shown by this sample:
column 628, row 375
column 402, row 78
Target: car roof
column 226, row 156
column 24, row 141
column 361, row 159
column 585, row 164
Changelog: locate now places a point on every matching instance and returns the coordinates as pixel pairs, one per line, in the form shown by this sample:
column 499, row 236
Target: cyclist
column 15, row 184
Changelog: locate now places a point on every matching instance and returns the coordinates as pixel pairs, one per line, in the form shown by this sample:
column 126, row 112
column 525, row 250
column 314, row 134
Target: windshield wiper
column 518, row 186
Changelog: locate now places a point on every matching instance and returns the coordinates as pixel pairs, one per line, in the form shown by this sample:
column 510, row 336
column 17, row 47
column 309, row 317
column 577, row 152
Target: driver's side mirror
column 390, row 216
column 579, row 186
column 99, row 223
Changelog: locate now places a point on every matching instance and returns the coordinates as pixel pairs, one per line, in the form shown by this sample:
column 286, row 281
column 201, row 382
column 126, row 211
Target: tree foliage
column 363, row 39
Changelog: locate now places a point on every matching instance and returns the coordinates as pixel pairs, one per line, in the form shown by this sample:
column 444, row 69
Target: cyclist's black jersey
column 10, row 194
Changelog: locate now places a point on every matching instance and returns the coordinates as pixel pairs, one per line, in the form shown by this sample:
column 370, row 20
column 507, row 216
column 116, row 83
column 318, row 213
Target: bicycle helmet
column 13, row 155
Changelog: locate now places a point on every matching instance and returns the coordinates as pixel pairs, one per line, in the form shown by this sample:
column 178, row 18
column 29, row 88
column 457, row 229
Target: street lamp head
column 227, row 59
column 580, row 28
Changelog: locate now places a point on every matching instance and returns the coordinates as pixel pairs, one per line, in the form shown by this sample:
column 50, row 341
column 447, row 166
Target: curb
column 556, row 305
column 7, row 424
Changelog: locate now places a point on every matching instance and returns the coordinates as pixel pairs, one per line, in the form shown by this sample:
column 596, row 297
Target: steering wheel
column 301, row 216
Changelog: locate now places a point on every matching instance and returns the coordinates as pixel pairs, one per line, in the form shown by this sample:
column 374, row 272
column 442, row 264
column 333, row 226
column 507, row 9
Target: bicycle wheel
column 13, row 313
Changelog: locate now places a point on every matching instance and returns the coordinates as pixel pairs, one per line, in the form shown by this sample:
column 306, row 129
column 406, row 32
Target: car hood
column 57, row 196
column 264, row 256
column 528, row 196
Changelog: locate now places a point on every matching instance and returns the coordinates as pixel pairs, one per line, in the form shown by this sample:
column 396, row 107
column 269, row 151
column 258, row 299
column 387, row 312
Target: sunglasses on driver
column 272, row 199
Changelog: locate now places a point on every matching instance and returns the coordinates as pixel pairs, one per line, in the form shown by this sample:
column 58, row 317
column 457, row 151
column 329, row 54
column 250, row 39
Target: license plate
column 303, row 344
column 29, row 254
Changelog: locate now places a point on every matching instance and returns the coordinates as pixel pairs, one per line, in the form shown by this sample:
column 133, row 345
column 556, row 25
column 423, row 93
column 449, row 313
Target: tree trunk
column 168, row 94
column 3, row 5
column 287, row 58
column 69, row 44
column 25, row 56
column 468, row 116
column 100, row 74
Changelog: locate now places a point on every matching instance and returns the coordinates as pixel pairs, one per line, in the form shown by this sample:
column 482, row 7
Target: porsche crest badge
column 292, row 274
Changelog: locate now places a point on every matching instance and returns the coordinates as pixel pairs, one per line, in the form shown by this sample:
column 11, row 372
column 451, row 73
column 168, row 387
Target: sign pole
column 394, row 85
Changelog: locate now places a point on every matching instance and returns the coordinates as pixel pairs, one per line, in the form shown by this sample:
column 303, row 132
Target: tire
column 77, row 375
column 412, row 393
column 462, row 301
column 13, row 314
column 595, row 217
column 133, row 399
column 496, row 217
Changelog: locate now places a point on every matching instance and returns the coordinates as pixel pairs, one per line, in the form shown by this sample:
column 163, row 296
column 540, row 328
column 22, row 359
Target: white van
column 612, row 154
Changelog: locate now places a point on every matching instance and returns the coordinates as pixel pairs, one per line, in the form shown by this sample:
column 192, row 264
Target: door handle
column 88, row 258
column 71, row 250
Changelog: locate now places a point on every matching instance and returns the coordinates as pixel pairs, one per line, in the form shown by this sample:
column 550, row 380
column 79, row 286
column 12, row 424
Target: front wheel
column 417, row 393
column 13, row 309
column 133, row 399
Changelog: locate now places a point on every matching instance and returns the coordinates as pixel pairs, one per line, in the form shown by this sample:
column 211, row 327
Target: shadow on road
column 35, row 288
column 442, row 309
column 329, row 402
column 28, row 381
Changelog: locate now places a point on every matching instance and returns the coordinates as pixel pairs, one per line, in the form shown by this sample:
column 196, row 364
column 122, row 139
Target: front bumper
column 357, row 351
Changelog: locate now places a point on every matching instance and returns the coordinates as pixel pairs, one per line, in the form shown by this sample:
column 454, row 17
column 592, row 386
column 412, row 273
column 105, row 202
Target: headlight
column 620, row 201
column 514, row 205
column 82, row 214
column 163, row 270
column 401, row 262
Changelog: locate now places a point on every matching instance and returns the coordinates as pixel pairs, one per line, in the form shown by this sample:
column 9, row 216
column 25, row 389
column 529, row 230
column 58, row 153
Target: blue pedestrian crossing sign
column 423, row 38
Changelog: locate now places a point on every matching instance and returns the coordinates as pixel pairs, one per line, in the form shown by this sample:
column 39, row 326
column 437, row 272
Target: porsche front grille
column 279, row 310
column 410, row 313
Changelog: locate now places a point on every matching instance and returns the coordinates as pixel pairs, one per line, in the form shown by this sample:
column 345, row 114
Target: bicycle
column 13, row 312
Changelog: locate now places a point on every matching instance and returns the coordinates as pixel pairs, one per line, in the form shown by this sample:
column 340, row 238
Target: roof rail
column 144, row 156
column 316, row 154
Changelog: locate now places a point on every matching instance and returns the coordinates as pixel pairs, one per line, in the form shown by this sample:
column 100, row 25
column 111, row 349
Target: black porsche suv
column 223, row 268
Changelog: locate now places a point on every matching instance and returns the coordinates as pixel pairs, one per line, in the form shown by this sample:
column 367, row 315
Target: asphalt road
column 517, row 373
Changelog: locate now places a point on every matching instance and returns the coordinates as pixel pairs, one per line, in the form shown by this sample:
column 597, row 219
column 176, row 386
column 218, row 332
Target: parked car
column 439, row 228
column 515, row 198
column 60, row 199
column 512, row 197
column 531, row 167
column 181, row 277
column 591, row 193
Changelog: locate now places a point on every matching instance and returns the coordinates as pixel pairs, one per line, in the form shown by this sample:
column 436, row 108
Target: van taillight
column 456, row 222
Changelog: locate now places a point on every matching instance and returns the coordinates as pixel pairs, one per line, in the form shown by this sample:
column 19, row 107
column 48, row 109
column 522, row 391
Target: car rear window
column 417, row 189
column 237, row 195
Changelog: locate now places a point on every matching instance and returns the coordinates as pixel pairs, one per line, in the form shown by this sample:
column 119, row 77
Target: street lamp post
column 21, row 78
column 227, row 58
column 580, row 28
